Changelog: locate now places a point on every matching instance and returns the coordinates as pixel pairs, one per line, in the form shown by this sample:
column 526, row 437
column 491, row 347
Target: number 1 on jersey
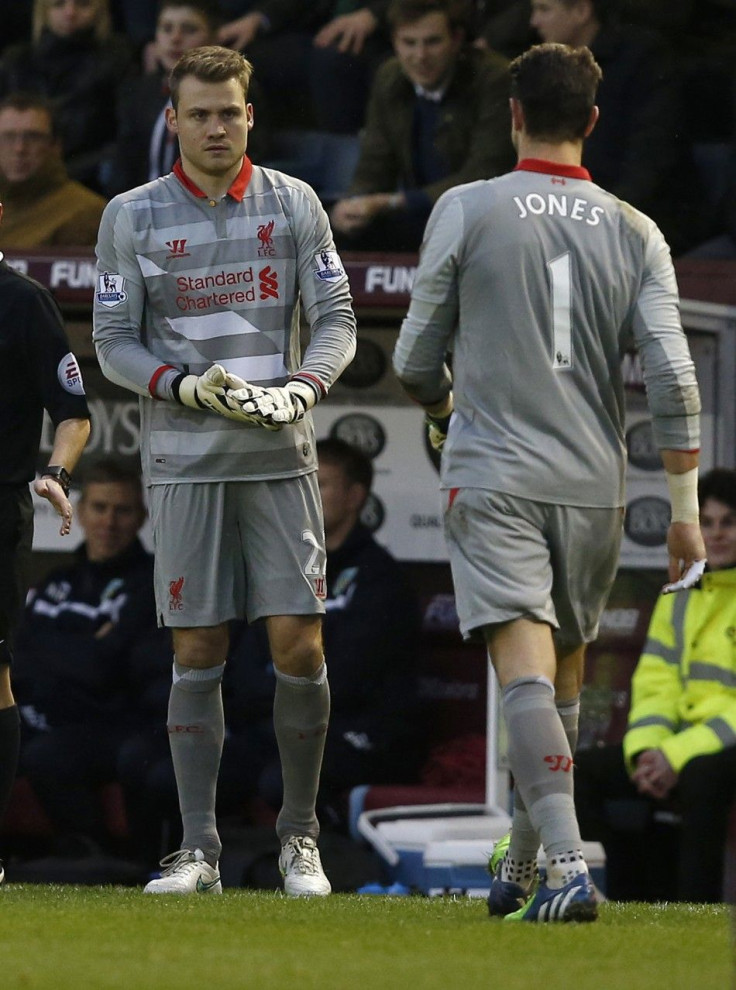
column 561, row 285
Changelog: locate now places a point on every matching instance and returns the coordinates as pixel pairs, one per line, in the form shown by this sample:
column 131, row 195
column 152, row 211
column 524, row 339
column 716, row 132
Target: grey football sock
column 301, row 712
column 541, row 762
column 196, row 728
column 569, row 712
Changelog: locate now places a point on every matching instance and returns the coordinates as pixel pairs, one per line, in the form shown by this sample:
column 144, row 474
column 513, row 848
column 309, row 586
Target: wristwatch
column 59, row 474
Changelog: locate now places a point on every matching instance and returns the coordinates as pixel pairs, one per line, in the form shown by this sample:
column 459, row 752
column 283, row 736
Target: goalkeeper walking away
column 200, row 278
column 538, row 281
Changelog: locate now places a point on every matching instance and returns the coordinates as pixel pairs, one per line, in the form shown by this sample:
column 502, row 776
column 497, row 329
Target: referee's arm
column 70, row 439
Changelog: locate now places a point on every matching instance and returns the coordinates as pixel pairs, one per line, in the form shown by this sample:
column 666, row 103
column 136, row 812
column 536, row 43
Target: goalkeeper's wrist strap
column 308, row 384
column 184, row 391
column 683, row 489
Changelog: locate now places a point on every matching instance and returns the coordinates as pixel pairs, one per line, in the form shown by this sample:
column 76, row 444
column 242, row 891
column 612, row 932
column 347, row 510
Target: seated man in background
column 679, row 752
column 43, row 206
column 438, row 116
column 72, row 677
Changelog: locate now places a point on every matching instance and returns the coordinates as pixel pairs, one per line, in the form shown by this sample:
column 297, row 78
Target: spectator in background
column 336, row 45
column 639, row 151
column 77, row 63
column 43, row 206
column 145, row 148
column 16, row 23
column 72, row 670
column 42, row 374
column 679, row 752
column 438, row 116
column 721, row 244
column 503, row 25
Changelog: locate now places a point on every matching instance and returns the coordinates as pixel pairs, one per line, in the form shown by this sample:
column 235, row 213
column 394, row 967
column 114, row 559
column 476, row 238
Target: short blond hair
column 210, row 63
column 102, row 25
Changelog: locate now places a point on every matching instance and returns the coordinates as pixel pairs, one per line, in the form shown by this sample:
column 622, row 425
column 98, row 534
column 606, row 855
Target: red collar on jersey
column 553, row 168
column 236, row 190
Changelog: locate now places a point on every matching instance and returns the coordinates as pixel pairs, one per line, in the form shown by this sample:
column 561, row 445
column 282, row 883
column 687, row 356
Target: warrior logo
column 175, row 602
column 559, row 762
column 177, row 248
column 269, row 283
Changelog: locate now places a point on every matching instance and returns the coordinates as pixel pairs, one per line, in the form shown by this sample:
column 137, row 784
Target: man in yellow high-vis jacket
column 678, row 757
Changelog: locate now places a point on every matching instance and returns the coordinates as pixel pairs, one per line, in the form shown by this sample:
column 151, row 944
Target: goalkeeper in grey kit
column 538, row 281
column 200, row 278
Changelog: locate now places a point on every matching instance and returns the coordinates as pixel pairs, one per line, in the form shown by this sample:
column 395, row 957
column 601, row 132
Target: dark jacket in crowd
column 79, row 75
column 472, row 136
column 639, row 148
column 64, row 674
column 297, row 15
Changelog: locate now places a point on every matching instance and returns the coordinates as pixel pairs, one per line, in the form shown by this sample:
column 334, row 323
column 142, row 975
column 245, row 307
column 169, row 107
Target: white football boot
column 301, row 868
column 186, row 872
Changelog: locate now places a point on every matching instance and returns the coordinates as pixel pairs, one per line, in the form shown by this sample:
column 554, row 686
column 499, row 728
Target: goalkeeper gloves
column 212, row 390
column 279, row 405
column 437, row 427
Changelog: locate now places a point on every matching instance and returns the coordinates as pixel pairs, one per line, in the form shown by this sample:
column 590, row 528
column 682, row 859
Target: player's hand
column 51, row 490
column 278, row 405
column 213, row 390
column 687, row 556
column 653, row 774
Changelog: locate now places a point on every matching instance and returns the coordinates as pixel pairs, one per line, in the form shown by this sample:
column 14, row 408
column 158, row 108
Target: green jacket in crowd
column 473, row 134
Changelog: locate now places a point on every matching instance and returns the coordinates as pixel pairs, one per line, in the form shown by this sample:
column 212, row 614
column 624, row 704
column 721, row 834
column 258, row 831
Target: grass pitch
column 100, row 938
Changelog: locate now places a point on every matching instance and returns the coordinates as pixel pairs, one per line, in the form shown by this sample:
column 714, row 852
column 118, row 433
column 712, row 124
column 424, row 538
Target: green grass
column 87, row 938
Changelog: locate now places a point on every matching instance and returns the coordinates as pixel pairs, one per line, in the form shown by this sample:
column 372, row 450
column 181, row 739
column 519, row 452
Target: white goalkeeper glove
column 212, row 390
column 278, row 405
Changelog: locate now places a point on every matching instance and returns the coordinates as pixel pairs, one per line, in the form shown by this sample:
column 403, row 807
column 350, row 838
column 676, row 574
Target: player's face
column 555, row 21
column 427, row 50
column 66, row 17
column 718, row 524
column 25, row 141
column 212, row 122
column 110, row 513
column 177, row 30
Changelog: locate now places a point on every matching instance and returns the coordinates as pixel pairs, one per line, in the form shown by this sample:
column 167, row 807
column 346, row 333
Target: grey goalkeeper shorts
column 513, row 558
column 237, row 549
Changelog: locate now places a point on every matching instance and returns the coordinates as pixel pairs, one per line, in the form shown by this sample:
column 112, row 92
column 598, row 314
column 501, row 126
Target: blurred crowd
column 380, row 104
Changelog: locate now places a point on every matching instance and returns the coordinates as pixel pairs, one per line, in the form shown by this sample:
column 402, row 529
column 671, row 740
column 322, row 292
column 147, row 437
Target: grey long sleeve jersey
column 185, row 282
column 537, row 282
